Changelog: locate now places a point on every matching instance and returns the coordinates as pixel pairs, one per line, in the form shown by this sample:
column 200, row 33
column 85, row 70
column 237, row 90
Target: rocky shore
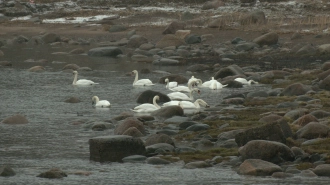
column 281, row 132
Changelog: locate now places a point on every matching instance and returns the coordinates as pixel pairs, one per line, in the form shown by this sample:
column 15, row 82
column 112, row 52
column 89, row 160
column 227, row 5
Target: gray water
column 50, row 140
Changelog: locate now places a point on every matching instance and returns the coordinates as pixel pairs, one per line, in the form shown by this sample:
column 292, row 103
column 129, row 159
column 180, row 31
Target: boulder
column 136, row 41
column 159, row 138
column 296, row 113
column 148, row 95
column 173, row 27
column 198, row 127
column 322, row 170
column 295, row 89
column 159, row 148
column 320, row 114
column 132, row 131
column 167, row 112
column 270, row 151
column 115, row 148
column 169, row 40
column 117, row 28
column 258, row 167
column 53, row 174
column 71, row 66
column 127, row 123
column 270, row 118
column 323, row 49
column 198, row 68
column 182, row 33
column 36, row 69
column 50, row 38
column 15, row 119
column 72, row 100
column 110, row 51
column 270, row 38
column 313, row 130
column 6, row 171
column 231, row 70
column 229, row 134
column 325, row 83
column 274, row 131
column 212, row 4
column 157, row 161
column 326, row 66
column 193, row 39
column 166, row 62
column 174, row 77
column 305, row 119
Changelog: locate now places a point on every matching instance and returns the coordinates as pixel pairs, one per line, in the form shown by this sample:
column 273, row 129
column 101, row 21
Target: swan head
column 180, row 104
column 202, row 103
column 75, row 72
column 134, row 72
column 156, row 97
column 253, row 82
column 166, row 80
column 197, row 90
column 95, row 99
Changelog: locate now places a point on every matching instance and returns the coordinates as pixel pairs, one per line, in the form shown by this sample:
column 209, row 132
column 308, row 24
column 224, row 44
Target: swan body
column 141, row 82
column 182, row 88
column 187, row 104
column 208, row 83
column 195, row 81
column 182, row 96
column 216, row 85
column 245, row 82
column 170, row 84
column 81, row 82
column 100, row 103
column 147, row 107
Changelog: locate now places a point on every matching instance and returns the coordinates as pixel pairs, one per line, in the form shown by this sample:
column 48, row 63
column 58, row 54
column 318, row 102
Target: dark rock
column 193, row 39
column 229, row 71
column 167, row 112
column 136, row 41
column 173, row 27
column 256, row 17
column 198, row 68
column 50, row 38
column 115, row 148
column 127, row 123
column 322, row 170
column 117, row 28
column 6, row 171
column 169, row 40
column 212, row 4
column 258, row 167
column 295, row 90
column 159, row 138
column 134, row 159
column 313, row 130
column 15, row 119
column 197, row 164
column 110, row 51
column 274, row 131
column 148, row 95
column 71, row 66
column 132, row 131
column 53, row 174
column 174, row 77
column 267, row 39
column 157, row 161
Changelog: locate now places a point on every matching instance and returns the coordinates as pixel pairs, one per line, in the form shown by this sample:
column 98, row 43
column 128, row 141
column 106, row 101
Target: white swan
column 245, row 82
column 182, row 96
column 216, row 85
column 182, row 88
column 208, row 83
column 147, row 107
column 100, row 103
column 141, row 82
column 188, row 104
column 195, row 81
column 170, row 84
column 81, row 81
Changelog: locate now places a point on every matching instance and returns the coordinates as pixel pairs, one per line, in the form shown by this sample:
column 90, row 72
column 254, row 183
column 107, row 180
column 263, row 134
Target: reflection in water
column 56, row 135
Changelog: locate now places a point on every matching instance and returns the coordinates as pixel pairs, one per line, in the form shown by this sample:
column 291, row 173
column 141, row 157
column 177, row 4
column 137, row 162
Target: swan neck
column 155, row 103
column 197, row 104
column 136, row 77
column 167, row 84
column 75, row 79
column 190, row 95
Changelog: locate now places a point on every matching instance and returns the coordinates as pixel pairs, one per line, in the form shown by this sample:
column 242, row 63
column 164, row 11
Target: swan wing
column 188, row 105
column 145, row 106
column 144, row 82
column 85, row 82
column 180, row 88
column 103, row 103
column 173, row 84
column 241, row 80
column 178, row 96
column 171, row 103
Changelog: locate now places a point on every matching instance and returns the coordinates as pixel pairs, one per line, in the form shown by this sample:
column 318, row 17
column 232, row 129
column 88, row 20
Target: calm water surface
column 50, row 140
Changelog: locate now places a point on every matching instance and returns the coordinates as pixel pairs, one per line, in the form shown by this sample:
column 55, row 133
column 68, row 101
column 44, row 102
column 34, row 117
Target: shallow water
column 50, row 140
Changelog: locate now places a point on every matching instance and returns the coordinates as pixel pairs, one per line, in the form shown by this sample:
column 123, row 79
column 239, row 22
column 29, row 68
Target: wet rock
column 258, row 167
column 229, row 134
column 123, row 116
column 267, row 39
column 77, row 51
column 313, row 130
column 273, row 131
column 256, row 17
column 157, row 161
column 174, row 77
column 322, row 170
column 136, row 41
column 230, row 143
column 115, row 148
column 198, row 68
column 117, row 28
column 185, row 149
column 257, row 94
column 15, row 119
column 160, row 148
column 148, row 95
column 234, row 101
column 326, row 66
column 147, row 46
column 5, row 64
column 36, row 69
column 197, row 164
column 305, row 119
column 53, row 174
column 169, row 40
column 295, row 90
column 127, row 123
column 168, row 112
column 159, row 138
column 319, row 114
column 296, row 113
column 6, row 171
column 110, row 51
column 198, row 127
column 72, row 100
column 231, row 70
column 134, row 159
column 71, row 66
column 270, row 151
column 307, row 173
column 212, row 4
column 193, row 39
column 176, row 119
column 247, row 46
column 182, row 34
column 173, row 27
column 50, row 38
column 134, row 132
column 166, row 62
column 186, row 124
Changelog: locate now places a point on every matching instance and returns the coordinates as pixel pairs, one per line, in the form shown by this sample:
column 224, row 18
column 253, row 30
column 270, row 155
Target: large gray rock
column 174, row 77
column 148, row 95
column 127, row 123
column 197, row 164
column 274, row 131
column 322, row 170
column 313, row 130
column 193, row 39
column 117, row 28
column 160, row 148
column 305, row 119
column 6, row 171
column 110, row 51
column 53, row 174
column 115, row 148
column 256, row 17
column 50, row 38
column 198, row 67
column 325, row 83
column 231, row 70
column 270, row 151
column 168, row 112
column 166, row 62
column 136, row 41
column 295, row 90
column 267, row 39
column 258, row 167
column 212, row 4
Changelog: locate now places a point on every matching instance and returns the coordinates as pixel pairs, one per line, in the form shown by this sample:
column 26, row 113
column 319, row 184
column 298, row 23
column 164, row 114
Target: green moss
column 304, row 166
column 321, row 147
